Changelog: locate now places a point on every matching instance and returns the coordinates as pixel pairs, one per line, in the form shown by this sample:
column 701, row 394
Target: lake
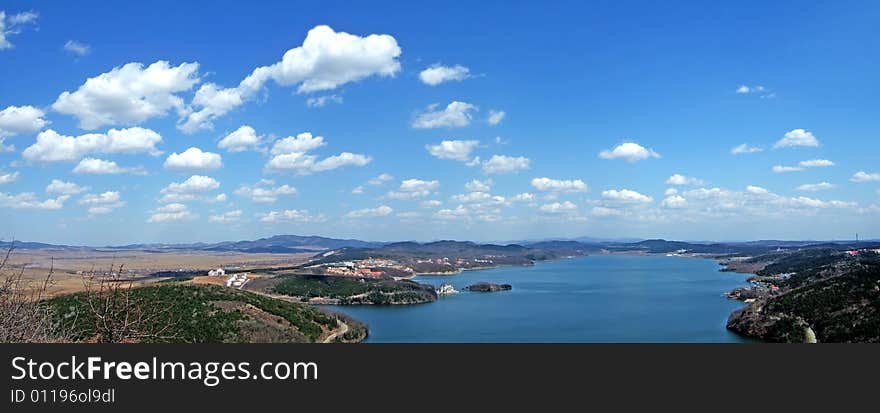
column 605, row 298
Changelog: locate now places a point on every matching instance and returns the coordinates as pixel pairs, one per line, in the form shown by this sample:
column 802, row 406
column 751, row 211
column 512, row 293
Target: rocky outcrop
column 484, row 287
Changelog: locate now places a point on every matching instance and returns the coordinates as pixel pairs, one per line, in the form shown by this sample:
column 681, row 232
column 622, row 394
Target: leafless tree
column 119, row 316
column 24, row 316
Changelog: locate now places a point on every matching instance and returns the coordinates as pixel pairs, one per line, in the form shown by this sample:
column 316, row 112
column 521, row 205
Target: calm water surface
column 586, row 299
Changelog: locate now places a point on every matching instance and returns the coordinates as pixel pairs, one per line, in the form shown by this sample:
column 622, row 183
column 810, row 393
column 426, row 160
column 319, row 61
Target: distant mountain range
column 311, row 244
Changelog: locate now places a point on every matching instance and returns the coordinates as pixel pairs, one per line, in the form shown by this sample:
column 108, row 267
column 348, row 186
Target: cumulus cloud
column 431, row 203
column 193, row 160
column 745, row 148
column 457, row 150
column 559, row 207
column 291, row 215
column 797, row 137
column 495, row 117
column 626, row 196
column 129, row 95
column 629, row 151
column 291, row 155
column 242, row 139
column 779, row 169
column 8, row 177
column 678, row 179
column 559, row 185
column 815, row 163
column 18, row 120
column 13, row 25
column 77, row 48
column 454, row 115
column 674, row 201
column 172, row 212
column 94, row 166
column 326, row 60
column 503, row 164
column 476, row 185
column 265, row 191
column 414, row 188
column 380, row 179
column 195, row 187
column 53, row 147
column 321, row 101
column 226, row 217
column 29, row 200
column 103, row 203
column 815, row 187
column 437, row 74
column 60, row 187
column 379, row 211
column 862, row 176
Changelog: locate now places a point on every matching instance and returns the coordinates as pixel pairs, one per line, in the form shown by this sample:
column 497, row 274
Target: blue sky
column 619, row 120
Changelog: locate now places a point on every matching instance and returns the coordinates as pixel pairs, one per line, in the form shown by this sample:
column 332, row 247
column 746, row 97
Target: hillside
column 185, row 313
column 832, row 295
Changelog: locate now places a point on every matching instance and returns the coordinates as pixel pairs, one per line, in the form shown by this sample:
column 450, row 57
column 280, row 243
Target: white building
column 219, row 272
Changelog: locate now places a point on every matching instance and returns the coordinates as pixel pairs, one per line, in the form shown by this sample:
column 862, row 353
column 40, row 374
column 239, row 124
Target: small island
column 484, row 287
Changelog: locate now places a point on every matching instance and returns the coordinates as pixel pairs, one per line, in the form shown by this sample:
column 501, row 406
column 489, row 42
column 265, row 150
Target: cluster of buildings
column 237, row 280
column 371, row 267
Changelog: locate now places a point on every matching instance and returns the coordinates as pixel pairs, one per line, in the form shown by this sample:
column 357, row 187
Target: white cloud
column 482, row 199
column 304, row 142
column 523, row 197
column 559, row 185
column 94, row 166
column 678, row 179
column 379, row 211
column 321, row 101
column 129, row 95
column 752, row 189
column 626, row 196
column 172, row 212
column 28, row 200
column 437, row 74
column 745, row 90
column 745, row 148
column 103, row 203
column 503, row 164
column 291, row 154
column 414, row 188
column 17, row 120
column 455, row 149
column 452, row 214
column 495, row 117
column 455, row 115
column 816, row 163
column 60, row 187
column 53, row 147
column 77, row 48
column 193, row 160
column 381, row 179
column 8, row 177
column 797, row 137
column 557, row 207
column 476, row 185
column 264, row 192
column 292, row 215
column 674, row 201
column 193, row 188
column 629, row 151
column 325, row 60
column 815, row 187
column 226, row 217
column 242, row 139
column 432, row 203
column 14, row 24
column 779, row 169
column 862, row 176
column 601, row 211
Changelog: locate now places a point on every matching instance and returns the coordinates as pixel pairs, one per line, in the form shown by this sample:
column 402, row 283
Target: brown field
column 69, row 267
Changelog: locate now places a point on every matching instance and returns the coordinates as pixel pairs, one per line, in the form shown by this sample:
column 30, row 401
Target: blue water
column 586, row 299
